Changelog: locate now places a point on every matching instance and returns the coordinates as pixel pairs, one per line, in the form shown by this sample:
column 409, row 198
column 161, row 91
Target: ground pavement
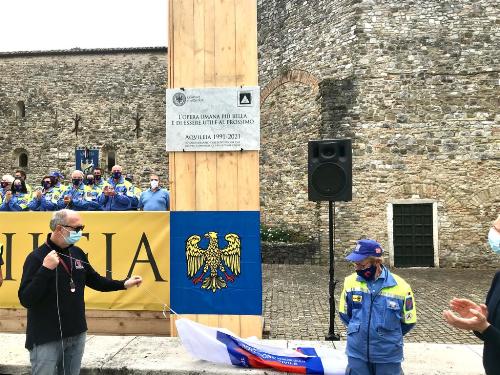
column 296, row 303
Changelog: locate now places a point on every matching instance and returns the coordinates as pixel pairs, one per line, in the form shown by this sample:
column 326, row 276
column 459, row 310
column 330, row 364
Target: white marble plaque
column 213, row 119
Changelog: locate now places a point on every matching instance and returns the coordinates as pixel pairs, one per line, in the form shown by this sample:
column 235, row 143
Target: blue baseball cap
column 56, row 174
column 365, row 249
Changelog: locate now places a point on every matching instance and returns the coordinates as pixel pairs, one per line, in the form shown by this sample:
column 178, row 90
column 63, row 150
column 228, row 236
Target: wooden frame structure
column 213, row 43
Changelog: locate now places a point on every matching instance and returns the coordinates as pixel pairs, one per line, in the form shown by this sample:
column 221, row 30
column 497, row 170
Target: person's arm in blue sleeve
column 102, row 199
column 168, row 200
column 345, row 307
column 122, row 200
column 79, row 204
column 35, row 204
column 18, row 205
column 48, row 205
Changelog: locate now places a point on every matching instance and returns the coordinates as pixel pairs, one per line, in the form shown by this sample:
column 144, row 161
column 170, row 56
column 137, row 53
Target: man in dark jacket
column 483, row 319
column 52, row 289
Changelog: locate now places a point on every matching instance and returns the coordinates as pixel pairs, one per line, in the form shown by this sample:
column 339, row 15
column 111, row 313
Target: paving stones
column 296, row 306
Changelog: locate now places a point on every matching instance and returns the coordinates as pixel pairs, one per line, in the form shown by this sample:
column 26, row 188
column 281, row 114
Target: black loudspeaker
column 330, row 170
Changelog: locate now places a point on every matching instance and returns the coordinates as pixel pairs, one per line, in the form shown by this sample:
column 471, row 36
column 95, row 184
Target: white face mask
column 154, row 184
column 494, row 240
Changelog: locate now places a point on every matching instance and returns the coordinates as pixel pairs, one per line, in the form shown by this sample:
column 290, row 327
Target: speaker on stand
column 329, row 174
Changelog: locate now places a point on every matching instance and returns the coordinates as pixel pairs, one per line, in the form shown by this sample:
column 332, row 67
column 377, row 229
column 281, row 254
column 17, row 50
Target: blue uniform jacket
column 376, row 322
column 78, row 200
column 18, row 202
column 123, row 200
column 47, row 202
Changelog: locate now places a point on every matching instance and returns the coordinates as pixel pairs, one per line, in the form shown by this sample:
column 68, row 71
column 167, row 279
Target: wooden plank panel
column 231, row 322
column 198, row 34
column 206, row 181
column 100, row 321
column 225, row 43
column 182, row 60
column 251, row 325
column 216, row 177
column 209, row 43
column 184, row 181
column 248, row 181
column 246, row 63
column 227, row 181
column 171, row 180
column 184, row 44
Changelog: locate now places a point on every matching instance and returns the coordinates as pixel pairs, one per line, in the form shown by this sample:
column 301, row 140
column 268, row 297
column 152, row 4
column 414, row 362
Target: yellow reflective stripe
column 342, row 302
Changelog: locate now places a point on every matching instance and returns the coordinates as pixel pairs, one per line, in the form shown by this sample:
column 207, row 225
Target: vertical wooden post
column 213, row 43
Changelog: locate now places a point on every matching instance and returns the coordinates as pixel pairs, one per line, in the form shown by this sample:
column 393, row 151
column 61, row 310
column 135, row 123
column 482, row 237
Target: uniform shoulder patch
column 409, row 303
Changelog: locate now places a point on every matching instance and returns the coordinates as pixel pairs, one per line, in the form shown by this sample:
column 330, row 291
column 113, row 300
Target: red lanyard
column 70, row 272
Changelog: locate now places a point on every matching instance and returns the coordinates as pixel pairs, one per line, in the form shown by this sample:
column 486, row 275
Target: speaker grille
column 328, row 179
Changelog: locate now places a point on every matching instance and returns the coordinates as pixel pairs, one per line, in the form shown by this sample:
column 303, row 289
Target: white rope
column 60, row 325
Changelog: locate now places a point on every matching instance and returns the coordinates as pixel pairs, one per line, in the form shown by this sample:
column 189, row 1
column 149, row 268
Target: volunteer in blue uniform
column 5, row 185
column 117, row 194
column 18, row 198
column 378, row 309
column 483, row 319
column 74, row 197
column 99, row 180
column 45, row 199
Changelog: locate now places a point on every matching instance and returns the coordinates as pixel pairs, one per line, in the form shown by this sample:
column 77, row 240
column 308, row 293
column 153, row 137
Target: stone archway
column 294, row 75
column 291, row 116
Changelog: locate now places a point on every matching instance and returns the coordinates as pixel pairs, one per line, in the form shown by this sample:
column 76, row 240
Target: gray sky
column 32, row 25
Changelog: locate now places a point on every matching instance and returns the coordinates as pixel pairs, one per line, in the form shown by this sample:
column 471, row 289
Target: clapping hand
column 471, row 316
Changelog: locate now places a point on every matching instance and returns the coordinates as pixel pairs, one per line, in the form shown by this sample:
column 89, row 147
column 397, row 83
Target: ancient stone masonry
column 415, row 84
column 109, row 99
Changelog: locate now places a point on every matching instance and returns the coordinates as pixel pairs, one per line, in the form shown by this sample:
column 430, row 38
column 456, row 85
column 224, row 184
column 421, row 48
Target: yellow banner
column 118, row 244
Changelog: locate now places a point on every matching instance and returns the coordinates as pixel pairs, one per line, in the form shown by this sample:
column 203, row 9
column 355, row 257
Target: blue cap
column 365, row 249
column 56, row 174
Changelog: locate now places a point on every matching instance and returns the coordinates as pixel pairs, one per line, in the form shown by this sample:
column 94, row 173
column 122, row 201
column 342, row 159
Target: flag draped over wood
column 222, row 346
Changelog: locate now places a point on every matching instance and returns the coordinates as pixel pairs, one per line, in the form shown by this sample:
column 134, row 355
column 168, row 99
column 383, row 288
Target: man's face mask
column 18, row 187
column 97, row 177
column 46, row 184
column 76, row 181
column 74, row 236
column 117, row 175
column 494, row 240
column 89, row 181
column 368, row 273
column 4, row 184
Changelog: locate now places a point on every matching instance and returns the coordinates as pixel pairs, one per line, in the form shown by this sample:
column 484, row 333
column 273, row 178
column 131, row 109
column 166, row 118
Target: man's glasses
column 77, row 229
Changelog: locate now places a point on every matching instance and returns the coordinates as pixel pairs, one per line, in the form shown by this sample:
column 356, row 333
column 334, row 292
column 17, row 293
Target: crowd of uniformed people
column 83, row 192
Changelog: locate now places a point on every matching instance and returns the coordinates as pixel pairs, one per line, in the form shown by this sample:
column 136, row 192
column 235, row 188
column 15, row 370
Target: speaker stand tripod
column 332, row 336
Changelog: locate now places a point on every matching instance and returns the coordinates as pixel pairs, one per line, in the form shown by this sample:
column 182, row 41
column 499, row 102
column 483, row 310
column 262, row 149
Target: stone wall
column 415, row 85
column 106, row 88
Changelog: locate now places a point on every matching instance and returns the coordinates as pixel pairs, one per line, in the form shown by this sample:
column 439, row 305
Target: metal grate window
column 413, row 235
